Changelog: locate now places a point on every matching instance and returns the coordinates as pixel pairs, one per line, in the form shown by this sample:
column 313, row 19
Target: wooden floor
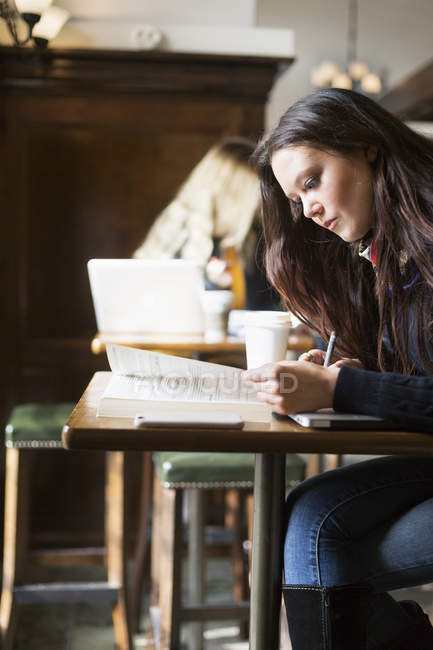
column 88, row 626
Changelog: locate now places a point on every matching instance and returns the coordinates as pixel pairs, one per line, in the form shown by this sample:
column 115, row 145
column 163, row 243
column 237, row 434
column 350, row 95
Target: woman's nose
column 313, row 209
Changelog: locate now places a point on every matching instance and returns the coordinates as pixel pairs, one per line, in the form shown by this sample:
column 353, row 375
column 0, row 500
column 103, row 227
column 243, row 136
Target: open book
column 150, row 383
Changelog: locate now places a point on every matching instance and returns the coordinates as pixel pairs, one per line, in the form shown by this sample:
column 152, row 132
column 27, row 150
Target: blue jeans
column 371, row 522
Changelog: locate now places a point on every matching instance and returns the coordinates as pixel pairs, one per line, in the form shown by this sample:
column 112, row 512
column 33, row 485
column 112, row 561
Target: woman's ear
column 371, row 154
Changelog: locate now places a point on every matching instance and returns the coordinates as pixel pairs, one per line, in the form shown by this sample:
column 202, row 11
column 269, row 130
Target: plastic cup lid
column 268, row 318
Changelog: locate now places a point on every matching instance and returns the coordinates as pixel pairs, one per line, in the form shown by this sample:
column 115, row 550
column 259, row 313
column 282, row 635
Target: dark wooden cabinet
column 93, row 144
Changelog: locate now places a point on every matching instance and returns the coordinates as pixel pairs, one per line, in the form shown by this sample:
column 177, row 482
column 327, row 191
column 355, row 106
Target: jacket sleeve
column 408, row 401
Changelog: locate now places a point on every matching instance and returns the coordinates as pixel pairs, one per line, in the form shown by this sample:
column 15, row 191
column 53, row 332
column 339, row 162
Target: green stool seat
column 37, row 425
column 211, row 469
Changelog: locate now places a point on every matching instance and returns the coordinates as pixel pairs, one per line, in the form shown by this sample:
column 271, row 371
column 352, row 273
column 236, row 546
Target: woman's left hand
column 318, row 356
column 294, row 386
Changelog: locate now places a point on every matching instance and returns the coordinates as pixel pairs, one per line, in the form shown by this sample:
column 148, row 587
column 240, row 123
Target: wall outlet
column 145, row 37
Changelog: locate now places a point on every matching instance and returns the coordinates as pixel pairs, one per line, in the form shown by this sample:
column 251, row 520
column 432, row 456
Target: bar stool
column 195, row 472
column 38, row 426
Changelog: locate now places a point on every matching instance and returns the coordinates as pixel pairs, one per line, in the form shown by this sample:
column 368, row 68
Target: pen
column 329, row 349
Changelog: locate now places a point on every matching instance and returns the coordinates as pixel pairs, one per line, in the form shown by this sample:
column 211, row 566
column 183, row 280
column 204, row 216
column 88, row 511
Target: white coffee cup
column 216, row 306
column 266, row 337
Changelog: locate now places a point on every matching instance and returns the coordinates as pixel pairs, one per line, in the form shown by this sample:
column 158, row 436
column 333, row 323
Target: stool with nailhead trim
column 39, row 426
column 176, row 472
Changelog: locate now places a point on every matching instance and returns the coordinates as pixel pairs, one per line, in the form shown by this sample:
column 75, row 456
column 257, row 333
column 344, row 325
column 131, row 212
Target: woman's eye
column 311, row 183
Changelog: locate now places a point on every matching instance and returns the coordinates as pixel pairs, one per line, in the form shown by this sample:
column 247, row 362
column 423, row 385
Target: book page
column 145, row 375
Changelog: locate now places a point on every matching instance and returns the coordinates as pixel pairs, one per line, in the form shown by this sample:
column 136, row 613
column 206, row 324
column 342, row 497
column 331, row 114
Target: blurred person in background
column 214, row 219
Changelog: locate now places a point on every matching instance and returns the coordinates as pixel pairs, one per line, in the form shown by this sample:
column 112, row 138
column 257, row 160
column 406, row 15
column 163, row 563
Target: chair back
column 238, row 275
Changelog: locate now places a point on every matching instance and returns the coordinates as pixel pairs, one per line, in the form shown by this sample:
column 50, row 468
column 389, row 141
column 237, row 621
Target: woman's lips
column 331, row 223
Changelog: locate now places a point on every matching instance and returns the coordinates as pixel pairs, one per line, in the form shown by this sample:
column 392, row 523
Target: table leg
column 269, row 491
column 115, row 544
column 141, row 555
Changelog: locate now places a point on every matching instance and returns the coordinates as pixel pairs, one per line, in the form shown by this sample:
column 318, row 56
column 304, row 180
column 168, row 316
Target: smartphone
column 191, row 419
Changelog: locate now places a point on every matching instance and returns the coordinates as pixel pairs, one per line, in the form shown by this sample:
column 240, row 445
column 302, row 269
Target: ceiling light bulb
column 358, row 70
column 51, row 23
column 342, row 80
column 318, row 79
column 329, row 69
column 32, row 6
column 371, row 83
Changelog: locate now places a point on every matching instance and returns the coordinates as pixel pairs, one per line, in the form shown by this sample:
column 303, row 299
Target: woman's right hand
column 318, row 357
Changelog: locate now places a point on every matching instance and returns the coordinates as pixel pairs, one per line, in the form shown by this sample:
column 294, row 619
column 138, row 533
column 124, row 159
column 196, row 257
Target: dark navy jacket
column 407, row 400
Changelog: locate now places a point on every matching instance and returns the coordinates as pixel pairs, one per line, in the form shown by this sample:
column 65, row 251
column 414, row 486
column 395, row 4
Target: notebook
column 329, row 419
column 147, row 296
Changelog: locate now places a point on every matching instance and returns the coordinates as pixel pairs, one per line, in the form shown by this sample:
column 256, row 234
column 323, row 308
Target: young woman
column 347, row 195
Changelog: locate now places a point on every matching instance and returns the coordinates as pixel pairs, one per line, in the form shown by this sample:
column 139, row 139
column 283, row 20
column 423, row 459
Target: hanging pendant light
column 357, row 74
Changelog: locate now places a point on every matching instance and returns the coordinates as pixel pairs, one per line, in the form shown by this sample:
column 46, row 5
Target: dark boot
column 327, row 618
column 417, row 633
column 423, row 630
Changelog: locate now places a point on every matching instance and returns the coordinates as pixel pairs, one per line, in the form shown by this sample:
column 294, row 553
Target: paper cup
column 266, row 337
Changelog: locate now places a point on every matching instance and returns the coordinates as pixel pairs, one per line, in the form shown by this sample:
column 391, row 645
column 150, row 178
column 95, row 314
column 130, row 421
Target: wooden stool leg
column 332, row 461
column 235, row 506
column 196, row 560
column 233, row 521
column 16, row 522
column 115, row 544
column 313, row 465
column 166, row 566
column 142, row 540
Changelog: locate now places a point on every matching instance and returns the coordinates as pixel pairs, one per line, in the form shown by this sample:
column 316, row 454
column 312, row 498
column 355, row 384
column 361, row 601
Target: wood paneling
column 93, row 144
column 96, row 143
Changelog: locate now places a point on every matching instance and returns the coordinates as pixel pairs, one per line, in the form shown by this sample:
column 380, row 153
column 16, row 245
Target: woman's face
column 336, row 192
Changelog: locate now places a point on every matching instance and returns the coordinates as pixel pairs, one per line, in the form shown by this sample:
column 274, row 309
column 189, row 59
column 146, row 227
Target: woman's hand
column 318, row 356
column 294, row 386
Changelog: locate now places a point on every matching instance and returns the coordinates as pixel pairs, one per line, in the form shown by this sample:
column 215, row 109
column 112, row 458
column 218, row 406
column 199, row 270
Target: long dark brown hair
column 320, row 277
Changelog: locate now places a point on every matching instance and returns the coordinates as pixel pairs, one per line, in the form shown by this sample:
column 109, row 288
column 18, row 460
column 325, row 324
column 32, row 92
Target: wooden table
column 270, row 441
column 229, row 351
column 184, row 343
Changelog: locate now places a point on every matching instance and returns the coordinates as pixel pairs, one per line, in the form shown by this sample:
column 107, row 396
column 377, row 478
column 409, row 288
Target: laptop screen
column 147, row 296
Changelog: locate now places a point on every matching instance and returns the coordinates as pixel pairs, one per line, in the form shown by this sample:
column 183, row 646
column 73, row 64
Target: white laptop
column 147, row 296
column 329, row 419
